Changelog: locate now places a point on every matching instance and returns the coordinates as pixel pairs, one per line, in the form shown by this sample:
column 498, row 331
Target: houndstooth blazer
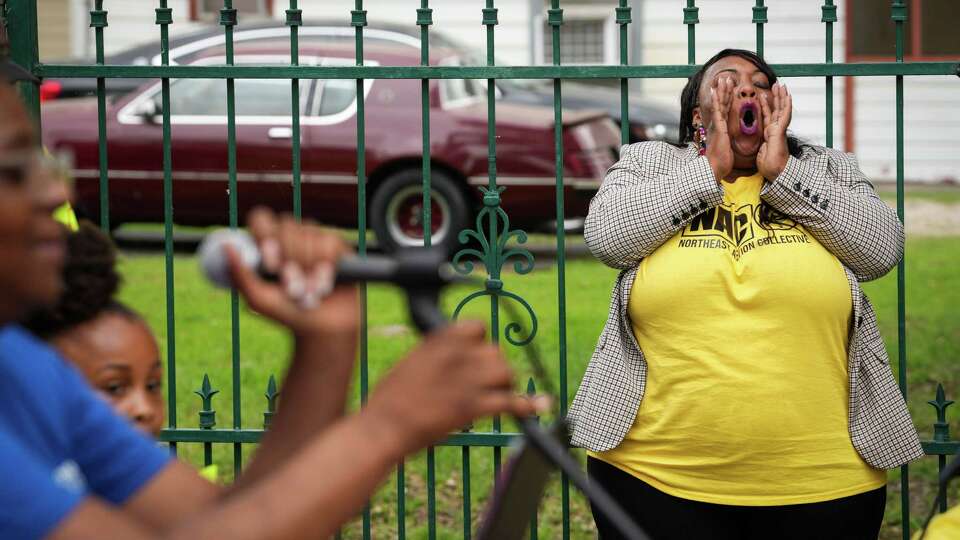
column 653, row 192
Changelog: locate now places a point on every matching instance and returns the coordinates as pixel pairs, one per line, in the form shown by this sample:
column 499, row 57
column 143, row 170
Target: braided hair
column 91, row 281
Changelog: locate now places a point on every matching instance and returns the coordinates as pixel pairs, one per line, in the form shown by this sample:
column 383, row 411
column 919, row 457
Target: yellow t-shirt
column 943, row 527
column 65, row 215
column 744, row 329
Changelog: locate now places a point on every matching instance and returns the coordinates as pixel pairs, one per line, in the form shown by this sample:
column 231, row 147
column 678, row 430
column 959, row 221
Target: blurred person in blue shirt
column 71, row 468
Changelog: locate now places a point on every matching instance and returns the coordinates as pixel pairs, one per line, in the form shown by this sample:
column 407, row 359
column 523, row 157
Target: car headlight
column 655, row 132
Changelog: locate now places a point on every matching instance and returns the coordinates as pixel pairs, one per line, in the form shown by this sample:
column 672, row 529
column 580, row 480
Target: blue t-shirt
column 60, row 442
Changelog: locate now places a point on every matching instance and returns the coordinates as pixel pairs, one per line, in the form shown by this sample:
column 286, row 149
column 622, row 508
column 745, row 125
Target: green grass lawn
column 203, row 347
column 941, row 193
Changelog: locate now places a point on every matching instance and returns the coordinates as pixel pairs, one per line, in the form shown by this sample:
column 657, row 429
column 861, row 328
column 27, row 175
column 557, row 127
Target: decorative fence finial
column 531, row 391
column 941, row 428
column 829, row 12
column 98, row 15
column 208, row 416
column 271, row 394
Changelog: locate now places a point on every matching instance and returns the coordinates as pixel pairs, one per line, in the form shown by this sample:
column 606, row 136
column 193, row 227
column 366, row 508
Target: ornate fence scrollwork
column 492, row 234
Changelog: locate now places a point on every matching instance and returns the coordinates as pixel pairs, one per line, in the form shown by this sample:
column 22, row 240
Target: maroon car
column 458, row 139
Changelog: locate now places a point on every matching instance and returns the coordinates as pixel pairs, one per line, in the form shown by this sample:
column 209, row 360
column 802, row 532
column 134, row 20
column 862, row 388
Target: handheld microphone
column 421, row 272
column 412, row 268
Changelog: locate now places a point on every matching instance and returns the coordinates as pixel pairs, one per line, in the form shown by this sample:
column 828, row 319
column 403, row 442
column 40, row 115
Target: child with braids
column 110, row 344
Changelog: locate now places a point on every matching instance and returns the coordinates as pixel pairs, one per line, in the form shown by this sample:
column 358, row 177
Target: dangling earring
column 700, row 138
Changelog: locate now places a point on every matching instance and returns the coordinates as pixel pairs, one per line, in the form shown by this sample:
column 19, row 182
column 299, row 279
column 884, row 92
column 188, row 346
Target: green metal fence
column 499, row 243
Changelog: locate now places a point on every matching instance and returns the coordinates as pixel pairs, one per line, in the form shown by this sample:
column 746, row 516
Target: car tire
column 395, row 211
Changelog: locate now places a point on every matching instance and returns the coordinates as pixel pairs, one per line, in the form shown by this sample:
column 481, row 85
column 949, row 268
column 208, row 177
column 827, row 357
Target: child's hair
column 90, row 283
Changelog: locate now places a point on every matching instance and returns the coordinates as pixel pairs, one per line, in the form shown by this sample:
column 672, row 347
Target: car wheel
column 396, row 211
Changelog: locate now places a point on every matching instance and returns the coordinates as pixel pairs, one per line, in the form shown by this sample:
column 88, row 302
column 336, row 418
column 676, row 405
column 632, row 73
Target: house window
column 938, row 28
column 581, row 41
column 209, row 10
column 928, row 33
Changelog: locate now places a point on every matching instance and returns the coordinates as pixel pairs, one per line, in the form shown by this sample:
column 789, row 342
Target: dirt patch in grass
column 930, row 218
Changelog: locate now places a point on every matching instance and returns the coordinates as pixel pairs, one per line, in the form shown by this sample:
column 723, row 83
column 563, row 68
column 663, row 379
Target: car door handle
column 280, row 133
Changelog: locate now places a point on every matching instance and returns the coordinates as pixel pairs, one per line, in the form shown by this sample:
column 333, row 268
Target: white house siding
column 931, row 127
column 129, row 23
column 53, row 26
column 459, row 19
column 795, row 34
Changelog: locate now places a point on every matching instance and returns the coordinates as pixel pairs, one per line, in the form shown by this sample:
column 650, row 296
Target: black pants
column 665, row 517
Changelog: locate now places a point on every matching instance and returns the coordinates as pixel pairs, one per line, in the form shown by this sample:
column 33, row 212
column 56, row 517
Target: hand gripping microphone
column 420, row 272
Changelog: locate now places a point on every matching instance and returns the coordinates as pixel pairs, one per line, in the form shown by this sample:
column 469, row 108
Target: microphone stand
column 423, row 305
column 599, row 498
column 949, row 473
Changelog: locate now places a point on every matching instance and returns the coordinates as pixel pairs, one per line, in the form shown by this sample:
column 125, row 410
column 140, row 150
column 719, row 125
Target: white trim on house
column 605, row 13
column 79, row 35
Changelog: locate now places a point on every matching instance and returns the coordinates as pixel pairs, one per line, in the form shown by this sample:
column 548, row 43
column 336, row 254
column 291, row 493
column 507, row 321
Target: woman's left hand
column 773, row 153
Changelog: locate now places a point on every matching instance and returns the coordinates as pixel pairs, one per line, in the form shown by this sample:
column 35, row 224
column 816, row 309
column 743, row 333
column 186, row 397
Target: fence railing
column 492, row 230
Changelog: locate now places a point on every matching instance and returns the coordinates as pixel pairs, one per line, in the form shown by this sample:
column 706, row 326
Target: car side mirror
column 148, row 111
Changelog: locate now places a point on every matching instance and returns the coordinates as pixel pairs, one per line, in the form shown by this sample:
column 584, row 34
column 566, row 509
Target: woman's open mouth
column 748, row 119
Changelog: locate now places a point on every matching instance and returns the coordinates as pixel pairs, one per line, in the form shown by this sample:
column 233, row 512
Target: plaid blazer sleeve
column 826, row 192
column 646, row 197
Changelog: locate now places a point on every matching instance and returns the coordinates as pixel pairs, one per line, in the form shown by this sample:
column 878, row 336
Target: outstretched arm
column 324, row 321
column 456, row 377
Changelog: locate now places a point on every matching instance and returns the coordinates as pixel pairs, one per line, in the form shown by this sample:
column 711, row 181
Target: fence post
column 271, row 394
column 21, row 20
column 899, row 16
column 294, row 20
column 556, row 22
column 164, row 18
column 941, row 433
column 208, row 416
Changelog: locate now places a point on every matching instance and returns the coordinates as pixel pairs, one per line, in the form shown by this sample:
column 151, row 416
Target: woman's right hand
column 719, row 152
column 451, row 378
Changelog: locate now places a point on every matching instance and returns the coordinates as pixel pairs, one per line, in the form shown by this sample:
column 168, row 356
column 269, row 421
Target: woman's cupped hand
column 773, row 153
column 719, row 152
column 777, row 110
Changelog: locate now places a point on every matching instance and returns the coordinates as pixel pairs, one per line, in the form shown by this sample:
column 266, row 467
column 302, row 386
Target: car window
column 336, row 95
column 253, row 97
column 454, row 92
